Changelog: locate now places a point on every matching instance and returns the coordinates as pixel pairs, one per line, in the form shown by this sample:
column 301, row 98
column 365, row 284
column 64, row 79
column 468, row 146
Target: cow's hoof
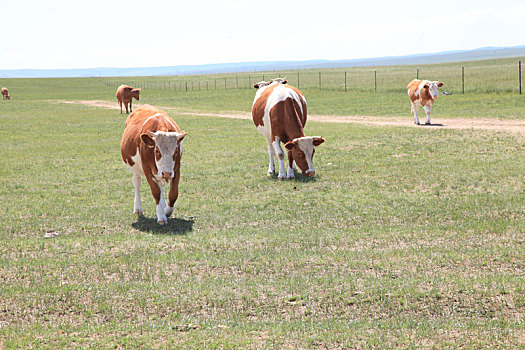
column 169, row 211
column 162, row 222
column 290, row 177
column 281, row 178
column 270, row 173
column 417, row 123
column 427, row 123
column 139, row 212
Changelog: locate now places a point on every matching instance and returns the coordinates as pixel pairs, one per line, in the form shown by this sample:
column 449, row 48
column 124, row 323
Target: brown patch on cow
column 286, row 120
column 260, row 105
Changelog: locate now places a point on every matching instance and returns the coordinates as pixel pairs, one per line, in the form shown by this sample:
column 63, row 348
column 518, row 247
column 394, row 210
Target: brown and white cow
column 125, row 94
column 422, row 93
column 279, row 113
column 5, row 94
column 152, row 147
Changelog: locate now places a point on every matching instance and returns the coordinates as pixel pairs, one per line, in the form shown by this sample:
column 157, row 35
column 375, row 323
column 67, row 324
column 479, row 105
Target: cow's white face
column 303, row 149
column 168, row 145
column 433, row 88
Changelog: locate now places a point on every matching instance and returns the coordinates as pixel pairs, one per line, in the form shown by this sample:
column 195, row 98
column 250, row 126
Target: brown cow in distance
column 5, row 94
column 125, row 95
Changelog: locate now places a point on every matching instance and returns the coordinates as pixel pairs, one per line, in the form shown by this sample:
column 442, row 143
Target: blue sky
column 116, row 33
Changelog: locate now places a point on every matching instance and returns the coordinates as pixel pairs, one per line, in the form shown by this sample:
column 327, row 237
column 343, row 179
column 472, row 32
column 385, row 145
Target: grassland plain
column 405, row 237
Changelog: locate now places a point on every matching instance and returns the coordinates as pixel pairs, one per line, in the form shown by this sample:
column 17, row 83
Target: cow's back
column 123, row 93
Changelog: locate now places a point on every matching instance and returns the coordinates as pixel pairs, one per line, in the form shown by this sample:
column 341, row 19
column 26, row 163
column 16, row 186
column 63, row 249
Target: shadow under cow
column 175, row 226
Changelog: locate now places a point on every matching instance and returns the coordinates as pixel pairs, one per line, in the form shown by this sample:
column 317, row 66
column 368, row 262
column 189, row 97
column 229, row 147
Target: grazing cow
column 5, row 94
column 422, row 93
column 125, row 95
column 152, row 146
column 279, row 113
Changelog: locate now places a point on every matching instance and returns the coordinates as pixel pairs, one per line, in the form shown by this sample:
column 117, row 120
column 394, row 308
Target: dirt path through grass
column 505, row 125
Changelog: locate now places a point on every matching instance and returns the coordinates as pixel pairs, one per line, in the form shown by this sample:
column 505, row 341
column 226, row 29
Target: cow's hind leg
column 280, row 156
column 271, row 165
column 137, row 208
column 120, row 105
column 413, row 109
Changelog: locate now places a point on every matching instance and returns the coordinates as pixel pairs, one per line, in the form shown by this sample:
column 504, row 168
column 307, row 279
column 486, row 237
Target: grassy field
column 405, row 238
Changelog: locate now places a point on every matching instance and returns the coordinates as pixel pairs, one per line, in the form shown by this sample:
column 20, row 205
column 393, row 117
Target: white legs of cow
column 163, row 210
column 275, row 149
column 427, row 109
column 271, row 165
column 137, row 208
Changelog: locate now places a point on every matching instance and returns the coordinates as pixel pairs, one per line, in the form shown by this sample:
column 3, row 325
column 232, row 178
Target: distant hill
column 439, row 57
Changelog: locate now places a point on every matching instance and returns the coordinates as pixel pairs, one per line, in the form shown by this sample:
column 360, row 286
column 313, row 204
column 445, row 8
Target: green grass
column 405, row 238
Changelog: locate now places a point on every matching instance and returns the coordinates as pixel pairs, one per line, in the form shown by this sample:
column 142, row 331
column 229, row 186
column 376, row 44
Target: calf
column 5, row 94
column 279, row 113
column 422, row 93
column 152, row 147
column 125, row 94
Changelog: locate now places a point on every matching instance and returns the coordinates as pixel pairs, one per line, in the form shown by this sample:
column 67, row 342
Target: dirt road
column 504, row 125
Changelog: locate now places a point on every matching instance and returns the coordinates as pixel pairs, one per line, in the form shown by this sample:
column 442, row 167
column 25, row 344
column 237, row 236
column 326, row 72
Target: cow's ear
column 285, row 81
column 289, row 145
column 256, row 86
column 148, row 140
column 440, row 84
column 425, row 86
column 317, row 141
column 181, row 136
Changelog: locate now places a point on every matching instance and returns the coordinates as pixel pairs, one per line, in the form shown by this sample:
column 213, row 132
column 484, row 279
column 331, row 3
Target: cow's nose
column 310, row 172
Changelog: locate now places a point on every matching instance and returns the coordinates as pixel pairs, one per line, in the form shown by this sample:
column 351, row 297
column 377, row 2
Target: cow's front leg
column 130, row 103
column 427, row 112
column 158, row 194
column 126, row 105
column 271, row 165
column 280, row 156
column 137, row 208
column 174, row 192
column 290, row 173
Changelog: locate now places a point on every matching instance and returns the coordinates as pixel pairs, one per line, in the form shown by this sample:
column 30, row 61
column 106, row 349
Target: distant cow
column 125, row 95
column 422, row 93
column 152, row 147
column 5, row 94
column 279, row 113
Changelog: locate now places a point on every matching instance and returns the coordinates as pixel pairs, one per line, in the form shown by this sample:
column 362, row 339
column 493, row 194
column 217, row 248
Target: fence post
column 375, row 81
column 463, row 79
column 345, row 81
column 224, row 83
column 186, row 86
column 319, row 80
column 520, row 76
column 417, row 74
column 237, row 80
column 298, row 83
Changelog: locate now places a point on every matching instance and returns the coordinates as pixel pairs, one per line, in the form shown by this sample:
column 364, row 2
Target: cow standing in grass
column 152, row 147
column 5, row 94
column 422, row 93
column 279, row 113
column 125, row 94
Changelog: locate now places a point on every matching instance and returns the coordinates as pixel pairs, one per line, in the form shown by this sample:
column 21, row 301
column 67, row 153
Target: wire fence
column 483, row 76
